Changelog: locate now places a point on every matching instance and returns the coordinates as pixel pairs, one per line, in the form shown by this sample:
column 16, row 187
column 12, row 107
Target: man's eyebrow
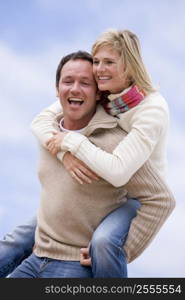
column 67, row 76
column 86, row 78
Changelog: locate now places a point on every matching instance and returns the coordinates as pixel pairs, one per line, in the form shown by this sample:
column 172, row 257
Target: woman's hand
column 85, row 260
column 78, row 169
column 54, row 144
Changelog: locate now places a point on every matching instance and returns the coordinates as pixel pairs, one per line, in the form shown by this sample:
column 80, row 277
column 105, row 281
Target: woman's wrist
column 72, row 141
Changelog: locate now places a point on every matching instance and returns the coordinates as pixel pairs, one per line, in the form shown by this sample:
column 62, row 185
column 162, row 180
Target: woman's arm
column 44, row 126
column 147, row 127
column 44, row 123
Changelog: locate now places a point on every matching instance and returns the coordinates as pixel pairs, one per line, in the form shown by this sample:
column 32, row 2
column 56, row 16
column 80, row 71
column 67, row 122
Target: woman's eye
column 95, row 62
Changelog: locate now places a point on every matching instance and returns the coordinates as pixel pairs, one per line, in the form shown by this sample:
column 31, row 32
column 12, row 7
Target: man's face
column 77, row 92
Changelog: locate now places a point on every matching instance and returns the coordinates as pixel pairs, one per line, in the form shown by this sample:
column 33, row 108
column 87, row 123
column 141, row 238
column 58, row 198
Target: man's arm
column 157, row 203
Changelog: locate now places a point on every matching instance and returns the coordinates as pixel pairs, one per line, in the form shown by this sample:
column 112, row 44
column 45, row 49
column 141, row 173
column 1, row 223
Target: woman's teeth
column 103, row 78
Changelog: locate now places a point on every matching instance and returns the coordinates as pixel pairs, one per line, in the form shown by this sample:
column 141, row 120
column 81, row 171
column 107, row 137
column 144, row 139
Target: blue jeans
column 43, row 267
column 106, row 247
column 16, row 246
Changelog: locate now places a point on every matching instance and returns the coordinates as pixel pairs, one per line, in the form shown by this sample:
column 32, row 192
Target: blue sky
column 34, row 35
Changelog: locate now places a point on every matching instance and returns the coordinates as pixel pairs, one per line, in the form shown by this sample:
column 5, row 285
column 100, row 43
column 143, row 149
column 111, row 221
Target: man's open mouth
column 75, row 101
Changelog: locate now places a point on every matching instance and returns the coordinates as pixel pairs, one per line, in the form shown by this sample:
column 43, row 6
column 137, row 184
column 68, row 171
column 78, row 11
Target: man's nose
column 75, row 88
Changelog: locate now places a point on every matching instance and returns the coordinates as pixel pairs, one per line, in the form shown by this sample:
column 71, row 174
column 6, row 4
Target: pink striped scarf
column 124, row 102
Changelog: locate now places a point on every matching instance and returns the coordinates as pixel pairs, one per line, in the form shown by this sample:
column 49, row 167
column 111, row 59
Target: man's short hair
column 72, row 56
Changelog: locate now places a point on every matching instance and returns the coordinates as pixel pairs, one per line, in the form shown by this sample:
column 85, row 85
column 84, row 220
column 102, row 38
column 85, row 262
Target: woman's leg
column 29, row 268
column 16, row 246
column 106, row 247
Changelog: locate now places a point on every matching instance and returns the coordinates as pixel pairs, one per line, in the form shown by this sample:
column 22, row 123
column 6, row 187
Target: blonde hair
column 128, row 46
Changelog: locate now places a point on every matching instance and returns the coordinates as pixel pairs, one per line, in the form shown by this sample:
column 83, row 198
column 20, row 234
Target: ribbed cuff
column 72, row 141
column 60, row 155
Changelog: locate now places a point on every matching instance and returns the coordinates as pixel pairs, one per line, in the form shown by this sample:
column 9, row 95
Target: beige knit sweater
column 69, row 212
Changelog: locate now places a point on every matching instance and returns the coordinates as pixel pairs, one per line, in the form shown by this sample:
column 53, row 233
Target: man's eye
column 95, row 62
column 109, row 62
column 68, row 81
column 85, row 83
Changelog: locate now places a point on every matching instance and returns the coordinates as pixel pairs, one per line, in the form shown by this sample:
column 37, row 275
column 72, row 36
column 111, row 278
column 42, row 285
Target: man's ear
column 57, row 92
column 98, row 96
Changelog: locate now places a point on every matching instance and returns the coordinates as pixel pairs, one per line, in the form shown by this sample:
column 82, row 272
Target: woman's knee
column 101, row 242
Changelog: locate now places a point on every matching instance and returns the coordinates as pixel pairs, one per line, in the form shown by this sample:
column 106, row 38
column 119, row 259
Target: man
column 69, row 213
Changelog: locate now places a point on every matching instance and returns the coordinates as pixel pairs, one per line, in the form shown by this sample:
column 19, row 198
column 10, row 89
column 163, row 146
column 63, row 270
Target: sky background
column 34, row 35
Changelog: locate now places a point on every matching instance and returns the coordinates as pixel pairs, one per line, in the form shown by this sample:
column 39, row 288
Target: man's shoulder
column 107, row 138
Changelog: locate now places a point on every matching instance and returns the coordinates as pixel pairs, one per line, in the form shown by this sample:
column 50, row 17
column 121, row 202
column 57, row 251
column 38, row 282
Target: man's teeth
column 76, row 100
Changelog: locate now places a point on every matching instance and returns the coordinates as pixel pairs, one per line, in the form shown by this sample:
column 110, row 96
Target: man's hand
column 85, row 260
column 54, row 144
column 77, row 169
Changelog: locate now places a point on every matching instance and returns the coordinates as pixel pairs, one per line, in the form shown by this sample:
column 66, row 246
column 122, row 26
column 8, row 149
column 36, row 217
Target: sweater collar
column 100, row 120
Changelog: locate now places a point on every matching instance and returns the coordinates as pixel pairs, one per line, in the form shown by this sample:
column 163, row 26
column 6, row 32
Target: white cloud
column 176, row 159
column 23, row 80
column 2, row 212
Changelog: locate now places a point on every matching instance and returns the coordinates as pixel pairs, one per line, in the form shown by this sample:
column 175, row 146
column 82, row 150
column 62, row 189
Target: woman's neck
column 124, row 101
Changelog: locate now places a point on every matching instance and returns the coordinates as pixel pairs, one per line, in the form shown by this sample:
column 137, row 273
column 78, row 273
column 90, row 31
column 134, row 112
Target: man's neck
column 63, row 128
column 77, row 124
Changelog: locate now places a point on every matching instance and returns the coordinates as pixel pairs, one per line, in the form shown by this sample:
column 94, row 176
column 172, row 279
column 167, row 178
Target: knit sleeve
column 147, row 127
column 157, row 203
column 44, row 123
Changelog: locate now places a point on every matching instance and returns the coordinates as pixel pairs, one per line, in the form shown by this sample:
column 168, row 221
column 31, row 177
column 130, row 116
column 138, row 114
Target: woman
column 119, row 69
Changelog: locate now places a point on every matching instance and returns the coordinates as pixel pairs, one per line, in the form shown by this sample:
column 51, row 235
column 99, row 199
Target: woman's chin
column 103, row 87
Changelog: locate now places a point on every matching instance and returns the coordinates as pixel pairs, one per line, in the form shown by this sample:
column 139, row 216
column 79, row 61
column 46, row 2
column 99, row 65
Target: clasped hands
column 78, row 170
column 54, row 144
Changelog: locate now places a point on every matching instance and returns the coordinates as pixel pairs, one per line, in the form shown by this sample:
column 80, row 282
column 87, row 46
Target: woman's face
column 108, row 70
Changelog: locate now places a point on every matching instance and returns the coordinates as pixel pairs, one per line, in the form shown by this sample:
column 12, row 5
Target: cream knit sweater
column 147, row 126
column 69, row 212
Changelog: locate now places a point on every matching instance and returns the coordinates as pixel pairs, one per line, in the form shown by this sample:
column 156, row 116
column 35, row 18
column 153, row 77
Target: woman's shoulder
column 154, row 99
column 153, row 103
column 153, row 110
